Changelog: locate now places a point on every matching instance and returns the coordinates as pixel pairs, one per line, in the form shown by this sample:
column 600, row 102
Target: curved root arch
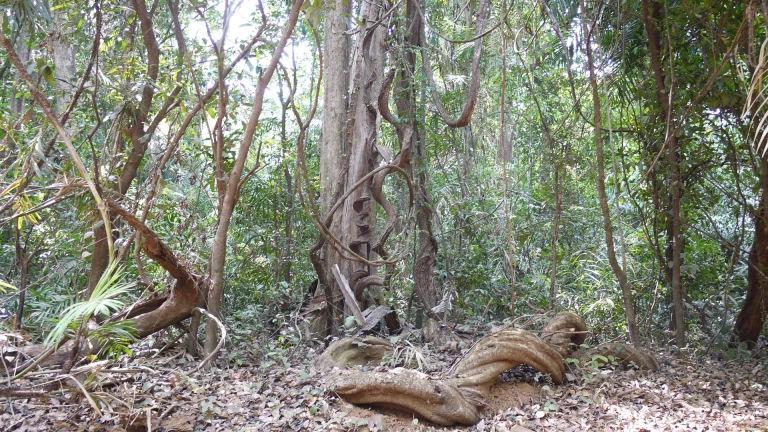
column 566, row 332
column 459, row 398
column 505, row 350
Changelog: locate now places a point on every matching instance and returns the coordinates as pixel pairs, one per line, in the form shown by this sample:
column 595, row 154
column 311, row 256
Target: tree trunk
column 234, row 183
column 406, row 99
column 555, row 231
column 505, row 155
column 651, row 16
column 63, row 59
column 753, row 314
column 333, row 146
column 751, row 318
column 350, row 152
column 358, row 217
column 336, row 86
column 626, row 290
column 22, row 260
column 284, row 266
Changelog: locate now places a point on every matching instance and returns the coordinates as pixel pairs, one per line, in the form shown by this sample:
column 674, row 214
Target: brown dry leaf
column 686, row 394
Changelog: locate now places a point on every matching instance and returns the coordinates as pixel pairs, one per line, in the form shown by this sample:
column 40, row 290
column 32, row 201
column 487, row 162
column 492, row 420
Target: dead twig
column 216, row 350
column 165, row 413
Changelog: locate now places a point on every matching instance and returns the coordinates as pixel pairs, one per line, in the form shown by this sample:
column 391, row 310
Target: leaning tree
column 152, row 83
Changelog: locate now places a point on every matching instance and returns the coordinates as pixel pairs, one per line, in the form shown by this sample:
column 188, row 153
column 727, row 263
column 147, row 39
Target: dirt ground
column 285, row 393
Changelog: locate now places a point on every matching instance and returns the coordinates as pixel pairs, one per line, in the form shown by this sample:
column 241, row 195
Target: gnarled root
column 438, row 401
column 566, row 331
column 354, row 352
column 626, row 355
column 505, row 350
column 459, row 398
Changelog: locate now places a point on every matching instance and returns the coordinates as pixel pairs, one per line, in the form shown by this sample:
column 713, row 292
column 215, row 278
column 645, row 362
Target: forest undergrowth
column 269, row 387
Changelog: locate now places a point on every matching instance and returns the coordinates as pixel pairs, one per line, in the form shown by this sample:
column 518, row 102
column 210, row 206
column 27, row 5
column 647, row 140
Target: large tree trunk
column 751, row 319
column 349, row 153
column 336, row 85
column 753, row 314
column 333, row 148
column 358, row 217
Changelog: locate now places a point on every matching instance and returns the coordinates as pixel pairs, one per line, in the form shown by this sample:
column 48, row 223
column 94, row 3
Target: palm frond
column 103, row 300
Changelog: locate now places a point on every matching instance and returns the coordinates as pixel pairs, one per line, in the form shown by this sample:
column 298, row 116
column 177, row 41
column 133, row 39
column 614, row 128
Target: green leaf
column 211, row 112
column 6, row 286
column 349, row 322
column 47, row 74
column 102, row 301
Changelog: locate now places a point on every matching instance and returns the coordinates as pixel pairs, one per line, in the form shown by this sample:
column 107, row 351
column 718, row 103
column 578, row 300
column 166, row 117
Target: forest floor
column 283, row 392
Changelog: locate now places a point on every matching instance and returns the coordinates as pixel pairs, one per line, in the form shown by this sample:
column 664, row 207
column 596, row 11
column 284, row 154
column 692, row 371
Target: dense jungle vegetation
column 246, row 178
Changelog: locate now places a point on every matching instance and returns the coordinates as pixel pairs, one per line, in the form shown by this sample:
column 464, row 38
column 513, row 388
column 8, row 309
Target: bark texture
column 336, row 84
column 751, row 319
column 354, row 351
column 566, row 331
column 349, row 156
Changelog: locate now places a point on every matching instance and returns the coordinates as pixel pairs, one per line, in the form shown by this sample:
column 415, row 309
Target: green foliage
column 549, row 139
column 103, row 300
column 4, row 287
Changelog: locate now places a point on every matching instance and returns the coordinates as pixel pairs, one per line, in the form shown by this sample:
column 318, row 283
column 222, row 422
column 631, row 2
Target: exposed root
column 505, row 350
column 460, row 395
column 458, row 399
column 438, row 401
column 354, row 352
column 566, row 331
column 625, row 355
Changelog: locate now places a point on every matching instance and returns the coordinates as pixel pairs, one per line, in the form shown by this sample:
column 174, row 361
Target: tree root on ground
column 354, row 352
column 438, row 401
column 625, row 355
column 459, row 395
column 566, row 331
column 459, row 398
